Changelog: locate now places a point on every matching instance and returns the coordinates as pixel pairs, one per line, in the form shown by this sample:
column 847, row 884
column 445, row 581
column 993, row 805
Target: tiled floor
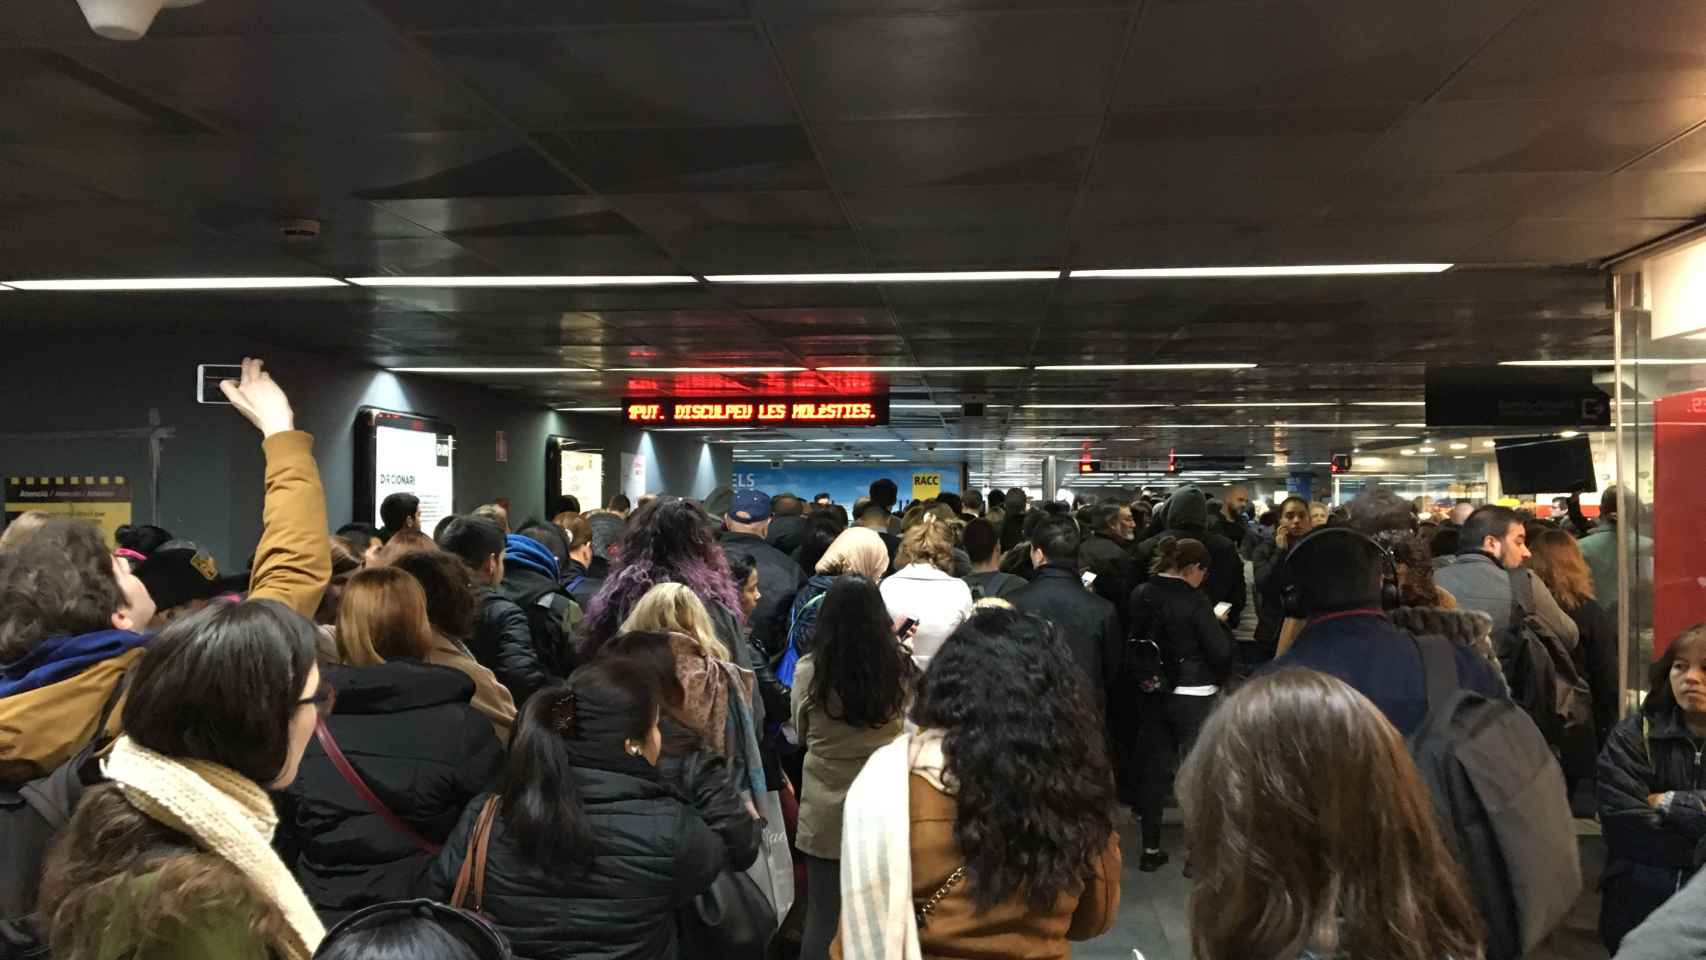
column 1152, row 911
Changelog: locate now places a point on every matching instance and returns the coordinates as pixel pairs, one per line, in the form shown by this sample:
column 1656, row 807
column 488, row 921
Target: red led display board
column 760, row 412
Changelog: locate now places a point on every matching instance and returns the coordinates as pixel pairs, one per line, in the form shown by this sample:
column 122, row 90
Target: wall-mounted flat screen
column 1544, row 464
column 404, row 453
column 870, row 411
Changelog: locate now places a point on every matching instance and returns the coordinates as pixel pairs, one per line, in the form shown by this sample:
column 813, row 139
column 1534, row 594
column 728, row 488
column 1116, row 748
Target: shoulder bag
column 472, row 877
column 347, row 771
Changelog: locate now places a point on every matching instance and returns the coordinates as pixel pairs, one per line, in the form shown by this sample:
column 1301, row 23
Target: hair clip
column 563, row 714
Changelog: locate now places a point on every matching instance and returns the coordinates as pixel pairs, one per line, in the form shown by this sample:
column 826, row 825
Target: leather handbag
column 732, row 919
column 347, row 771
column 471, row 879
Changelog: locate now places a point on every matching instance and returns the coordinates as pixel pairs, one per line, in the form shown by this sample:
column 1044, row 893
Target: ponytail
column 541, row 805
column 1177, row 553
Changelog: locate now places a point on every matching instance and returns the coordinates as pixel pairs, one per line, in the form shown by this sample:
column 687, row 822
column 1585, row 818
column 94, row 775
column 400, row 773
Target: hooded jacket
column 532, row 582
column 1187, row 516
column 1650, row 853
column 42, row 726
column 408, row 730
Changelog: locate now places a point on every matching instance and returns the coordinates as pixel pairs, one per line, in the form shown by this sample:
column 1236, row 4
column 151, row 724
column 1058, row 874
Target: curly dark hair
column 57, row 581
column 858, row 664
column 666, row 541
column 1023, row 741
column 1414, row 559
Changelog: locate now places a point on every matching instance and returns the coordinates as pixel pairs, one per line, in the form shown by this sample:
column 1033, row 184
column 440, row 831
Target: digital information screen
column 767, row 412
column 404, row 453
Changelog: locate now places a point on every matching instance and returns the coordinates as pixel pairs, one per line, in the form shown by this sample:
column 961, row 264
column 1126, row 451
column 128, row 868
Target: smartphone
column 207, row 377
column 1221, row 609
column 905, row 627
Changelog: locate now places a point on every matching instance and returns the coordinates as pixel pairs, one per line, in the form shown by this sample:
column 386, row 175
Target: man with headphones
column 1341, row 583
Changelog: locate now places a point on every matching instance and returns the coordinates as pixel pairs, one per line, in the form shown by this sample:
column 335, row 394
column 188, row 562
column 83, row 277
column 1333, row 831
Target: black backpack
column 1144, row 668
column 1546, row 683
column 31, row 815
column 546, row 610
column 1499, row 798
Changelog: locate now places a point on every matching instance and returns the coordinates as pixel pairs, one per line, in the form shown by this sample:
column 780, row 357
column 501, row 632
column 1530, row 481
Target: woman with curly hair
column 1313, row 835
column 924, row 587
column 990, row 831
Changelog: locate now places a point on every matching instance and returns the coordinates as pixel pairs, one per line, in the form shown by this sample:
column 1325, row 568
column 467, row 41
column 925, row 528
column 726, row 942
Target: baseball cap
column 750, row 506
column 178, row 575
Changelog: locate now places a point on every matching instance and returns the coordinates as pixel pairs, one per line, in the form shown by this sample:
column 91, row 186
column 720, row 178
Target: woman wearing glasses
column 173, row 857
column 403, row 752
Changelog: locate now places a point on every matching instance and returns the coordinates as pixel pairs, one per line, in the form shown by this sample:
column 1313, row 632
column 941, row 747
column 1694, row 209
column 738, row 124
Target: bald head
column 1461, row 511
column 1233, row 502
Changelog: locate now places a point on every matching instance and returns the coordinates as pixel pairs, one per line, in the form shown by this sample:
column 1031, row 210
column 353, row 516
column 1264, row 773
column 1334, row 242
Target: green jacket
column 221, row 934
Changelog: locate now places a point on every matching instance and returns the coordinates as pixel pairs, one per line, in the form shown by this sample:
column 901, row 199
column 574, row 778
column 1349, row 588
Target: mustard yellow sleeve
column 1100, row 901
column 294, row 560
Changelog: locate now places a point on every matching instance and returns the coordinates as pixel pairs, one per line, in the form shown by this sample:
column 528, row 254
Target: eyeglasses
column 323, row 699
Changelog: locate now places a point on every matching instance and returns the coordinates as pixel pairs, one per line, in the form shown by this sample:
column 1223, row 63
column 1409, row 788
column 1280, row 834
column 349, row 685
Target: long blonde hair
column 672, row 608
column 931, row 541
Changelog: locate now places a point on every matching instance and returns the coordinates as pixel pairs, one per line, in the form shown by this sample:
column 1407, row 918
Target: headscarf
column 856, row 550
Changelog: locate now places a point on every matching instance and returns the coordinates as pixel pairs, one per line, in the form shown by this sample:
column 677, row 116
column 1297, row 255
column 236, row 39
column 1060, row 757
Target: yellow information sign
column 926, row 486
column 101, row 500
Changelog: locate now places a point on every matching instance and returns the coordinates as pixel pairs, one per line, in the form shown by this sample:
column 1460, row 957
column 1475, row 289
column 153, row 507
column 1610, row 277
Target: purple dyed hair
column 665, row 541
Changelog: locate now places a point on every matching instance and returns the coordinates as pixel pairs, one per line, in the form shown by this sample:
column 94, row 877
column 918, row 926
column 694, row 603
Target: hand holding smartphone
column 906, row 628
column 1221, row 609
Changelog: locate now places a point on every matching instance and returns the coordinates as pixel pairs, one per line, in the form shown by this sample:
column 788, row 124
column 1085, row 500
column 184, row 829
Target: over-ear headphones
column 1291, row 595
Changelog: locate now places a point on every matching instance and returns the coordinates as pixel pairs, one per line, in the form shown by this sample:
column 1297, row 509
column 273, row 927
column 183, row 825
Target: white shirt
column 939, row 602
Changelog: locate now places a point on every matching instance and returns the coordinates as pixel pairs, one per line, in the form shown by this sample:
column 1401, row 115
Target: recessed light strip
column 704, row 369
column 1311, row 270
column 138, row 284
column 937, row 276
column 1149, row 366
column 520, row 281
column 503, row 370
column 895, row 369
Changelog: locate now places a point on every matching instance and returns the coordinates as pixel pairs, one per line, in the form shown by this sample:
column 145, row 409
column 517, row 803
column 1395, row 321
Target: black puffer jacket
column 503, row 643
column 1195, row 648
column 550, row 617
column 1267, row 563
column 1649, row 854
column 409, row 732
column 652, row 853
column 703, row 777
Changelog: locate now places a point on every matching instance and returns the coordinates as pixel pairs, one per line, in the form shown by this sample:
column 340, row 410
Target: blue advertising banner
column 847, row 484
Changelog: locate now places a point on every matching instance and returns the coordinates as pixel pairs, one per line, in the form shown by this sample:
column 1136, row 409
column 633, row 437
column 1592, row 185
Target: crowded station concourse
column 808, row 479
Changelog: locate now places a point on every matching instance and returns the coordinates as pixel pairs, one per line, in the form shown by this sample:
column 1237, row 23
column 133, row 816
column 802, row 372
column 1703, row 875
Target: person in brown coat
column 994, row 822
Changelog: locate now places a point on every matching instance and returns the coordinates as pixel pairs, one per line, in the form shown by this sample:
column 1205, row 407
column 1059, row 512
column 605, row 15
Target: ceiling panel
column 967, row 152
column 763, row 157
column 964, row 65
column 1498, row 136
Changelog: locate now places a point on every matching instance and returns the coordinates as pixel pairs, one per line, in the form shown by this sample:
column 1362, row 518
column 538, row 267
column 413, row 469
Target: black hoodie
column 1187, row 517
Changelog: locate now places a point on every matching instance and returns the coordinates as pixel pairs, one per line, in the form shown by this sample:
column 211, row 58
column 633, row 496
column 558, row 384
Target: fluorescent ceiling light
column 938, row 276
column 1389, row 403
column 1567, row 434
column 524, row 370
column 1067, row 426
column 179, row 283
column 1409, row 426
column 1325, row 426
column 1150, row 366
column 1488, row 444
column 1312, row 270
column 1408, row 451
column 590, row 409
column 1643, row 362
column 859, row 440
column 913, row 369
column 744, row 442
column 1460, row 446
column 1426, row 450
column 1095, row 406
column 1264, row 403
column 509, row 281
column 4, row 288
column 703, row 369
column 924, row 406
column 1387, row 436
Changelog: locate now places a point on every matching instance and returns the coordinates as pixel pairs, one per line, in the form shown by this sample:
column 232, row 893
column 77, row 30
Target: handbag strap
column 473, row 872
column 347, row 771
column 923, row 910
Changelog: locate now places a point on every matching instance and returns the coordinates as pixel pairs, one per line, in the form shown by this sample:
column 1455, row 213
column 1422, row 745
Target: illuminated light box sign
column 767, row 412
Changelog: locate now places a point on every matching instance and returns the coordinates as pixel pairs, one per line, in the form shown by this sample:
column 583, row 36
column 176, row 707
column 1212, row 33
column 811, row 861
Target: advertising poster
column 101, row 500
column 1679, row 516
column 846, row 484
column 417, row 462
column 582, row 477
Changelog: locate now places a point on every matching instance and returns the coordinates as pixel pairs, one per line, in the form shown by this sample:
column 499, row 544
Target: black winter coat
column 779, row 578
column 549, row 612
column 409, row 732
column 786, row 533
column 503, row 643
column 1596, row 660
column 1116, row 572
column 1195, row 649
column 1088, row 624
column 1267, row 561
column 581, row 584
column 1649, row 855
column 1225, row 583
column 703, row 777
column 652, row 853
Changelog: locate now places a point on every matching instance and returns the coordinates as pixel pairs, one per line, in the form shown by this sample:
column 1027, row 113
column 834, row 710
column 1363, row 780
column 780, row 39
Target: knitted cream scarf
column 228, row 815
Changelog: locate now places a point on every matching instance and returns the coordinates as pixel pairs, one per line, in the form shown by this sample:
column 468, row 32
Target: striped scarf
column 878, row 921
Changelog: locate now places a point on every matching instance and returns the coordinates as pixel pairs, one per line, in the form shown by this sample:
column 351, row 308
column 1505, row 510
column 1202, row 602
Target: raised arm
column 294, row 560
